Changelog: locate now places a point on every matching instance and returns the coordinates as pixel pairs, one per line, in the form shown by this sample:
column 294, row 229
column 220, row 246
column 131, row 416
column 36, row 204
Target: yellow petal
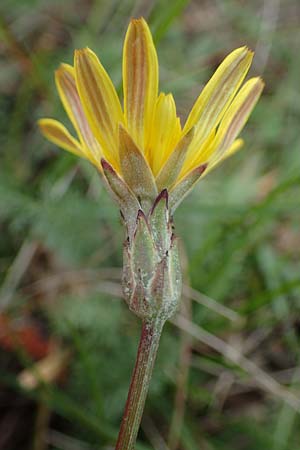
column 66, row 86
column 140, row 80
column 236, row 116
column 196, row 158
column 99, row 100
column 59, row 135
column 236, row 146
column 165, row 132
column 217, row 95
column 214, row 148
column 170, row 170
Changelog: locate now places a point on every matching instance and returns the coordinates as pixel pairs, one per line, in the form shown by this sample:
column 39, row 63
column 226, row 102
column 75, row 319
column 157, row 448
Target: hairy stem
column 149, row 342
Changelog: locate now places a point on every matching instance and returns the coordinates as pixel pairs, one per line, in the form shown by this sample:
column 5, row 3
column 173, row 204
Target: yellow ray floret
column 99, row 100
column 149, row 121
column 66, row 86
column 59, row 135
column 165, row 132
column 140, row 80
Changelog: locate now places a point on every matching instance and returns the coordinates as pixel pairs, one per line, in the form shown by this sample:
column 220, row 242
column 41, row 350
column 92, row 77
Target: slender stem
column 182, row 380
column 149, row 341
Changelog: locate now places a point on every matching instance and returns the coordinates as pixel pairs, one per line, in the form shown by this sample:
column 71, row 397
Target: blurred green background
column 227, row 375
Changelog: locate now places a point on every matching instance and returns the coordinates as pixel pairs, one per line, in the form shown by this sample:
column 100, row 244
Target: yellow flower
column 144, row 142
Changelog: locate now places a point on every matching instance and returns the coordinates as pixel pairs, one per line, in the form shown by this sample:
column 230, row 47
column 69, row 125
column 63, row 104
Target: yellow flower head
column 143, row 143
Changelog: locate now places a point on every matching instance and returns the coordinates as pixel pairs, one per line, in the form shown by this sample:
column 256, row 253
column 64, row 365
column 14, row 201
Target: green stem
column 149, row 342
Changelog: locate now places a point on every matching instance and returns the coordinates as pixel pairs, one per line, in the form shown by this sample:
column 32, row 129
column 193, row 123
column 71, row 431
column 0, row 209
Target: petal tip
column 245, row 50
column 138, row 21
column 60, row 71
column 257, row 84
column 249, row 54
column 42, row 123
column 261, row 82
column 81, row 52
column 243, row 53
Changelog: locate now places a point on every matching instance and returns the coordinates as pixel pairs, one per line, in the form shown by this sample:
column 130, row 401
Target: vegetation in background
column 228, row 367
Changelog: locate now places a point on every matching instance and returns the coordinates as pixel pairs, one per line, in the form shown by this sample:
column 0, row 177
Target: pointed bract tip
column 139, row 219
column 202, row 168
column 121, row 128
column 106, row 166
column 190, row 133
column 124, row 136
column 141, row 215
column 164, row 196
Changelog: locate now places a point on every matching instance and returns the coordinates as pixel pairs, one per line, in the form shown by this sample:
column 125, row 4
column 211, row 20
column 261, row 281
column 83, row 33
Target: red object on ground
column 22, row 334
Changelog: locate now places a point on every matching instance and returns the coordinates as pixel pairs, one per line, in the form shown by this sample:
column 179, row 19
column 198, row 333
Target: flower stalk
column 146, row 355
